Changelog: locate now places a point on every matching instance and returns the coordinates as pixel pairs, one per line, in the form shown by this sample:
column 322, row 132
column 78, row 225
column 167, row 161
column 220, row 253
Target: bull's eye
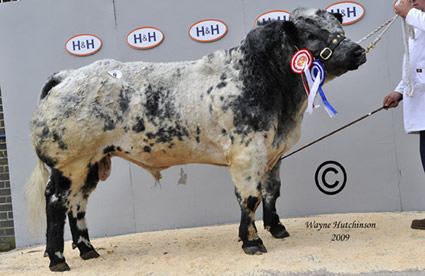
column 311, row 36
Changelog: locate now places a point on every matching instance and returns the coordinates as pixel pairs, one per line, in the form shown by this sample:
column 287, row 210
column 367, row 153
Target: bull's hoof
column 60, row 267
column 92, row 254
column 255, row 247
column 279, row 232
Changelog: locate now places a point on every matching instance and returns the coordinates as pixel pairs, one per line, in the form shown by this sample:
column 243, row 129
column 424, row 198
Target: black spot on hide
column 147, row 149
column 159, row 104
column 178, row 73
column 61, row 182
column 123, row 99
column 209, row 90
column 109, row 124
column 248, row 142
column 109, row 149
column 45, row 132
column 57, row 138
column 139, row 126
column 81, row 215
column 152, row 102
column 166, row 134
column 252, row 202
column 221, row 85
column 198, row 132
column 91, row 180
column 98, row 111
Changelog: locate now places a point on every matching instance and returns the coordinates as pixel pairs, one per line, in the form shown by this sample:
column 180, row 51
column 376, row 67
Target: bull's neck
column 276, row 89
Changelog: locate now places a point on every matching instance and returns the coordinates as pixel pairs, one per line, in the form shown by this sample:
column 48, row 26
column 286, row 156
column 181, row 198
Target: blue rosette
column 318, row 71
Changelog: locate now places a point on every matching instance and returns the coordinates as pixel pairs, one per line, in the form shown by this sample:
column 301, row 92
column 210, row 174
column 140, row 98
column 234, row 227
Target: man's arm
column 416, row 18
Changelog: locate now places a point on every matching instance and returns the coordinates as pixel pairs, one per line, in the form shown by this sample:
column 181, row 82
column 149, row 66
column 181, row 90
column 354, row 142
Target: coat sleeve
column 400, row 87
column 416, row 18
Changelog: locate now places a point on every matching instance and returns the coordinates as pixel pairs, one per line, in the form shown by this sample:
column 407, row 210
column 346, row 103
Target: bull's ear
column 338, row 16
column 265, row 35
column 270, row 35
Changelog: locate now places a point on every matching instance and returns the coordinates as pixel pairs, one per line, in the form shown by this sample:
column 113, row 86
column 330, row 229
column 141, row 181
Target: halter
column 327, row 52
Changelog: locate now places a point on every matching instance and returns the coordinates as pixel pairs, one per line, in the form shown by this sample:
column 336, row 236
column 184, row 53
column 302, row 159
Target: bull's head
column 321, row 32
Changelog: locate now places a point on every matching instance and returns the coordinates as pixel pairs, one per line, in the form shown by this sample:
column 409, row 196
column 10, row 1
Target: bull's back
column 151, row 112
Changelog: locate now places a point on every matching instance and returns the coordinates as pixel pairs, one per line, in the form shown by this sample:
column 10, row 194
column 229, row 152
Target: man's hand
column 403, row 8
column 392, row 100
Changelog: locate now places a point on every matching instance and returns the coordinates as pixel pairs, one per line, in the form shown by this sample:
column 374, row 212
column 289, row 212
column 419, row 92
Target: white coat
column 414, row 106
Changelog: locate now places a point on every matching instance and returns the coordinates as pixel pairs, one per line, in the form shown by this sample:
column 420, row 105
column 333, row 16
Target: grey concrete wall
column 381, row 162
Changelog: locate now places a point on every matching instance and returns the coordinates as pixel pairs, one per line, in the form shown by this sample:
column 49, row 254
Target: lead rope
column 333, row 132
column 379, row 37
column 407, row 31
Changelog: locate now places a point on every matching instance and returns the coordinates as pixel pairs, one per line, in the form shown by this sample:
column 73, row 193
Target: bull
column 241, row 108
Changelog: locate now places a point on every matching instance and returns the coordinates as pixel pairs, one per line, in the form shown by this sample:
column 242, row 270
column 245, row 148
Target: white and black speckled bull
column 241, row 108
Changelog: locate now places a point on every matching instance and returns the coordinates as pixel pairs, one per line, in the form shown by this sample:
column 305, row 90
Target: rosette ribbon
column 318, row 76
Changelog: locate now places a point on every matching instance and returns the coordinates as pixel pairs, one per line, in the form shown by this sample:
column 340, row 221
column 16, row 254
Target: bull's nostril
column 358, row 52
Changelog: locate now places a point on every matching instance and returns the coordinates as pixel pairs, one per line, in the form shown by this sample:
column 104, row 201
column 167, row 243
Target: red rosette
column 301, row 59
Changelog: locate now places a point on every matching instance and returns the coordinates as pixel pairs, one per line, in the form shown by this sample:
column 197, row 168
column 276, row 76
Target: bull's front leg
column 247, row 171
column 270, row 192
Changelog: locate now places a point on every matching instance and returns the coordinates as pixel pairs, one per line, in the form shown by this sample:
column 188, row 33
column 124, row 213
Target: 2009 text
column 340, row 237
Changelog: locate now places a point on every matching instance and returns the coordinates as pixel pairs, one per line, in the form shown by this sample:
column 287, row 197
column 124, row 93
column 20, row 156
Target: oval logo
column 272, row 15
column 145, row 38
column 208, row 30
column 83, row 45
column 351, row 11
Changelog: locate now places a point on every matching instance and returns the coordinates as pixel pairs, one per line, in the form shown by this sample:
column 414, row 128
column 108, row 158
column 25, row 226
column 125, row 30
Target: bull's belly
column 161, row 156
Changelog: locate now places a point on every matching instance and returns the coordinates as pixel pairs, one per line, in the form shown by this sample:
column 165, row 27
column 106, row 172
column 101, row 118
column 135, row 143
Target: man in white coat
column 413, row 95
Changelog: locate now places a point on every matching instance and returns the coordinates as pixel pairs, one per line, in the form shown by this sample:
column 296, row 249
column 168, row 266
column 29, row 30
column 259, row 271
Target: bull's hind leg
column 57, row 192
column 270, row 192
column 77, row 213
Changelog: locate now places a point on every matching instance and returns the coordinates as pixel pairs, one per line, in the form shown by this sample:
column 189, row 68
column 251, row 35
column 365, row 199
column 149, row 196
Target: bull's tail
column 34, row 195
